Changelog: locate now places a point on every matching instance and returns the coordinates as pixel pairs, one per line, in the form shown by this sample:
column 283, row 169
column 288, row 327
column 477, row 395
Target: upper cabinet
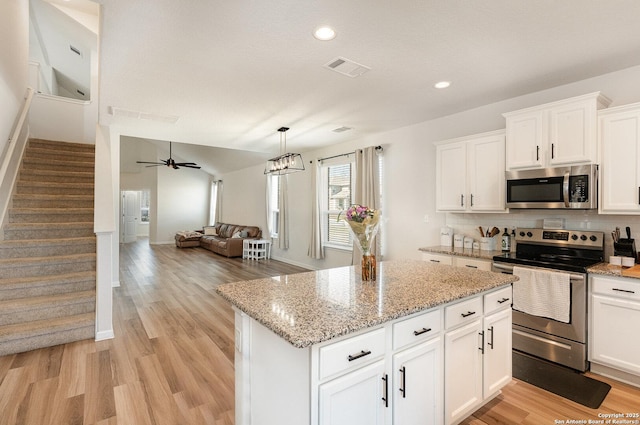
column 470, row 173
column 619, row 140
column 553, row 134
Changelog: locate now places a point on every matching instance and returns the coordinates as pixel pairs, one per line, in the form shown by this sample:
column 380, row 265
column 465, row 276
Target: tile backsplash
column 467, row 224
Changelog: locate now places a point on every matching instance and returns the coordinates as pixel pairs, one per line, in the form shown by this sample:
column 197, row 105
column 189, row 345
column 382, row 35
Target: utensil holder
column 625, row 248
column 487, row 244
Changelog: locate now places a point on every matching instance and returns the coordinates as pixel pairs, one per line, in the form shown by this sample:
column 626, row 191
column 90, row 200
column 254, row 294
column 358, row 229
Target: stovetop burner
column 568, row 250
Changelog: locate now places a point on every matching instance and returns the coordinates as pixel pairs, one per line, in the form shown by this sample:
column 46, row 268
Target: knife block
column 625, row 248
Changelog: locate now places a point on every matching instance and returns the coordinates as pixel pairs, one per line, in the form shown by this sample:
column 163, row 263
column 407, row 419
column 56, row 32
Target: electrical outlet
column 425, row 218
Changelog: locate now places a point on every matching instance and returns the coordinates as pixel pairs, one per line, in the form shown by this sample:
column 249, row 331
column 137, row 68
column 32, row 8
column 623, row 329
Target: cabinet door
column 355, row 398
column 451, row 175
column 463, row 371
column 486, row 173
column 525, row 140
column 614, row 333
column 417, row 387
column 497, row 352
column 572, row 133
column 437, row 258
column 473, row 263
column 620, row 167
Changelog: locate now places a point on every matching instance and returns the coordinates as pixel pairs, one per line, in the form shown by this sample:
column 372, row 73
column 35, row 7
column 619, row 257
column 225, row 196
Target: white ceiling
column 233, row 72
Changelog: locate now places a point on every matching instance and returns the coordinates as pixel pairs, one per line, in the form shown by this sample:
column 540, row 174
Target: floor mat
column 559, row 380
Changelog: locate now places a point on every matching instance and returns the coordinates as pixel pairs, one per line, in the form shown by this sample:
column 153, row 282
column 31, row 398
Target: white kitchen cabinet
column 437, row 258
column 472, row 263
column 619, row 140
column 470, row 173
column 418, row 385
column 613, row 329
column 355, row 398
column 554, row 134
column 477, row 352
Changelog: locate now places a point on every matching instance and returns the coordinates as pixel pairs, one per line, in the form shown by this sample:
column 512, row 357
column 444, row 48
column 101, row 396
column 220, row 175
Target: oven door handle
column 508, row 269
column 565, row 188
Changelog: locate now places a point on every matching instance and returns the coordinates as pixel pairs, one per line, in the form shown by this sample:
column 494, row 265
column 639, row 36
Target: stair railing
column 13, row 155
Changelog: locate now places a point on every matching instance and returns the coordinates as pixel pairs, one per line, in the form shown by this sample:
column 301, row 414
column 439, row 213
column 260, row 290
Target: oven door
column 564, row 343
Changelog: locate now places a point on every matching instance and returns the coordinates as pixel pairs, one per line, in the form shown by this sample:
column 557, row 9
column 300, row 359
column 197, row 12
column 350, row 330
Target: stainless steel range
column 552, row 257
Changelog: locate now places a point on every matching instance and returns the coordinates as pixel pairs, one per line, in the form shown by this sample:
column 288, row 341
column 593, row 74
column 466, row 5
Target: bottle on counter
column 506, row 241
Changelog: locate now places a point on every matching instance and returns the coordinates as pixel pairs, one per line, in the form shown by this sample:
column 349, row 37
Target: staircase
column 47, row 257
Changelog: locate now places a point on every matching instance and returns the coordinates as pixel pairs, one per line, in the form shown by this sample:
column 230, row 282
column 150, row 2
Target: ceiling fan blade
column 148, row 162
column 190, row 166
column 154, row 165
column 186, row 163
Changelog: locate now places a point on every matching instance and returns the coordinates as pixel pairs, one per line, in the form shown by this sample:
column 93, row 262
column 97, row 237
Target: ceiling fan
column 171, row 163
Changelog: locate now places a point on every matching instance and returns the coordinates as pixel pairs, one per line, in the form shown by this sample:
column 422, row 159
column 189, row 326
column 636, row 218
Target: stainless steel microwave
column 571, row 187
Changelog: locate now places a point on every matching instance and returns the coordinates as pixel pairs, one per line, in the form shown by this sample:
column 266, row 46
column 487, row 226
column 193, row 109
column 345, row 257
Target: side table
column 256, row 249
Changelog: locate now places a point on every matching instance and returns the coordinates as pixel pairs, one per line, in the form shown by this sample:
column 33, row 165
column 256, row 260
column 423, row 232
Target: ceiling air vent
column 346, row 67
column 127, row 113
column 341, row 129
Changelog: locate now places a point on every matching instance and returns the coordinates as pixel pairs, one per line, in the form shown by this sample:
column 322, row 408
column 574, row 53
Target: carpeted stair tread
column 46, row 307
column 49, row 215
column 15, row 283
column 56, row 175
column 43, row 226
column 56, row 164
column 60, row 145
column 40, row 200
column 18, row 262
column 46, row 247
column 43, row 266
column 52, row 153
column 45, row 333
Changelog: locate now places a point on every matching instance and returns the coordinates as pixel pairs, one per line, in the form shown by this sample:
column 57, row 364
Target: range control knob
column 521, row 234
column 574, row 237
column 529, row 234
column 593, row 238
column 583, row 238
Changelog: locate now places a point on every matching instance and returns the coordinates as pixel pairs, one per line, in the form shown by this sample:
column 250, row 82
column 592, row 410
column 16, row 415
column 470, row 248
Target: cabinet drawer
column 463, row 312
column 473, row 263
column 351, row 353
column 498, row 300
column 437, row 258
column 415, row 329
column 628, row 288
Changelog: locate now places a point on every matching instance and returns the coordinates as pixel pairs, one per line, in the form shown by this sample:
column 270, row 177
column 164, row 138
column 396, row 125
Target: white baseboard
column 294, row 263
column 101, row 336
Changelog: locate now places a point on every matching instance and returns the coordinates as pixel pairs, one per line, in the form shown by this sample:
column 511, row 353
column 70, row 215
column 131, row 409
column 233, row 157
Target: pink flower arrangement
column 359, row 214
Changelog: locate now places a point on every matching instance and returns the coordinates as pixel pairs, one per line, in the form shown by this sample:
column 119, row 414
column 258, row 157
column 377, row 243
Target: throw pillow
column 244, row 234
column 236, row 235
column 210, row 231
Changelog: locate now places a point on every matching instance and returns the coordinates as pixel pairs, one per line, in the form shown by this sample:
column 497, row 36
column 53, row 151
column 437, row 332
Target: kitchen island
column 324, row 347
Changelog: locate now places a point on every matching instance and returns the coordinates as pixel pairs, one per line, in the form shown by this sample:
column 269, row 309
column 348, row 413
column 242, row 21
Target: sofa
column 222, row 238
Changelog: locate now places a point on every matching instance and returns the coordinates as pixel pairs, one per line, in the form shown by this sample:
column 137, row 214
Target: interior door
column 130, row 209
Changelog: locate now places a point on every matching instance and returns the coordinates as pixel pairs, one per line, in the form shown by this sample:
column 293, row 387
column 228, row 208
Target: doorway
column 134, row 215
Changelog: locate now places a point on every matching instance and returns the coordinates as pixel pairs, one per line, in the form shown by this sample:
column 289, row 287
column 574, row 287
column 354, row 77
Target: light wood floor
column 171, row 361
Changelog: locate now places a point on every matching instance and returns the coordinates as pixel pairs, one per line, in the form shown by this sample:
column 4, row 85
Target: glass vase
column 368, row 267
column 363, row 235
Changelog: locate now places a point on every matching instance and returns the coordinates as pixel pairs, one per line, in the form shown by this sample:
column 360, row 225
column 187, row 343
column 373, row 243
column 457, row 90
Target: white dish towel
column 542, row 293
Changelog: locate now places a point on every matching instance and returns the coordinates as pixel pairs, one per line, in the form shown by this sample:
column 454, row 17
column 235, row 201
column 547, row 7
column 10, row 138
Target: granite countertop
column 312, row 307
column 461, row 252
column 609, row 270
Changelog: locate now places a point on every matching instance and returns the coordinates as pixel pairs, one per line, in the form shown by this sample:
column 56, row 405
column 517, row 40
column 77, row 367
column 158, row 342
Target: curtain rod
column 378, row 148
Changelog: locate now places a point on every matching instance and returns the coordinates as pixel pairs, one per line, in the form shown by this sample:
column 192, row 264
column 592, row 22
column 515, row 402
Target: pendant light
column 285, row 163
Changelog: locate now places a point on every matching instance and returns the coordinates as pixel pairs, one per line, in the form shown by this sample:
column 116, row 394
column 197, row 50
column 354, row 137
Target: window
column 338, row 184
column 274, row 208
column 144, row 206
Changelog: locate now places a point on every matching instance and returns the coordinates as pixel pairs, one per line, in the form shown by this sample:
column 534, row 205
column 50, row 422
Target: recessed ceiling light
column 324, row 33
column 442, row 84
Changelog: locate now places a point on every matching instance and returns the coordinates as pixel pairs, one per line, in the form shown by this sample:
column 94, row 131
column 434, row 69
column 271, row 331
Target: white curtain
column 283, row 216
column 367, row 189
column 269, row 206
column 218, row 211
column 213, row 200
column 316, row 251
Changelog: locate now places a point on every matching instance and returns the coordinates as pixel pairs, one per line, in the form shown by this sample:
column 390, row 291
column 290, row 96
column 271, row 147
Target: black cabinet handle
column 462, row 200
column 360, row 355
column 482, row 343
column 472, row 199
column 386, row 390
column 624, row 290
column 422, row 331
column 537, row 153
column 403, row 382
column 470, row 266
column 502, row 301
column 468, row 313
column 490, row 344
column 552, row 151
column 435, row 261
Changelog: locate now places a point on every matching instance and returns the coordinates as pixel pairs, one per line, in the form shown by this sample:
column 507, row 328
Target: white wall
column 409, row 181
column 14, row 48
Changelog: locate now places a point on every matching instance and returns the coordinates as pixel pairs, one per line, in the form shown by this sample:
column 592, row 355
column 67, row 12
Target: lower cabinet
column 613, row 331
column 355, row 398
column 477, row 353
column 417, row 384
